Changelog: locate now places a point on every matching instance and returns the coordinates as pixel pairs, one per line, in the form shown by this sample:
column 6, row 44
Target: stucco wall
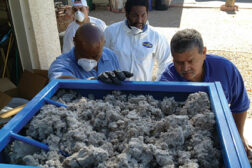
column 36, row 31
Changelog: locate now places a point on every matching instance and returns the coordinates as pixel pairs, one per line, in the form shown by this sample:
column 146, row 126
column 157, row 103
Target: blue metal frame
column 232, row 140
column 232, row 148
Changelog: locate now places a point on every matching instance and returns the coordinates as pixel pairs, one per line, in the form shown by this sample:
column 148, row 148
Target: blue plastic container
column 233, row 153
column 150, row 5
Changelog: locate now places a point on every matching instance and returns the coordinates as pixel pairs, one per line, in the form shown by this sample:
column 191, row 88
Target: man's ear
column 73, row 11
column 126, row 15
column 204, row 51
column 87, row 9
column 74, row 40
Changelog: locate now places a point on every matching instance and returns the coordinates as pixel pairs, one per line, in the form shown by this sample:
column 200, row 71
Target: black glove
column 114, row 77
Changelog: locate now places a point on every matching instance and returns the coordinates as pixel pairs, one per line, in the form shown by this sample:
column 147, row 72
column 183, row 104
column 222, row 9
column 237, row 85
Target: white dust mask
column 87, row 64
column 79, row 16
column 136, row 30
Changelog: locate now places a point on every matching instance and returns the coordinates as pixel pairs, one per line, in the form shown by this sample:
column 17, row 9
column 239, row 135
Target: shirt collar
column 104, row 57
column 206, row 71
column 73, row 54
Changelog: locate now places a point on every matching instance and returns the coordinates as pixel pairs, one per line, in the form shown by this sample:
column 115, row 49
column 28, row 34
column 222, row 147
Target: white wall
column 36, row 32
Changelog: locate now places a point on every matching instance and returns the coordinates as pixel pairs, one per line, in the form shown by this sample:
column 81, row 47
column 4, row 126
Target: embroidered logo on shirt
column 147, row 44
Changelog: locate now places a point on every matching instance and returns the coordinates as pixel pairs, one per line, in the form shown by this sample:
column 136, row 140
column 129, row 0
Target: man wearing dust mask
column 80, row 10
column 88, row 59
column 137, row 44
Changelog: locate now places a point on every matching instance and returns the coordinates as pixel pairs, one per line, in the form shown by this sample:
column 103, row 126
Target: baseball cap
column 79, row 3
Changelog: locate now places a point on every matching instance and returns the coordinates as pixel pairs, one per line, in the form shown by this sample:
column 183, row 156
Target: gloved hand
column 114, row 77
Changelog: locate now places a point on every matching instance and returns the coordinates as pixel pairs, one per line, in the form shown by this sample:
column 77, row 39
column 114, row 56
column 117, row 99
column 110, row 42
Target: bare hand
column 247, row 147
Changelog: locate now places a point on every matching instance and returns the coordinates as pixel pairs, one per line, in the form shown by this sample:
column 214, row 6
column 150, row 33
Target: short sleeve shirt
column 219, row 69
column 67, row 65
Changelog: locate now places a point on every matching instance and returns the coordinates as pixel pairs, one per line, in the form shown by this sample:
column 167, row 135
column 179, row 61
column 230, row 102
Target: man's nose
column 186, row 66
column 140, row 19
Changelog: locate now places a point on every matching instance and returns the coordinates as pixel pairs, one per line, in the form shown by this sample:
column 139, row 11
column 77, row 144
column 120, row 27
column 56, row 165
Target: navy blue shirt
column 219, row 69
column 67, row 65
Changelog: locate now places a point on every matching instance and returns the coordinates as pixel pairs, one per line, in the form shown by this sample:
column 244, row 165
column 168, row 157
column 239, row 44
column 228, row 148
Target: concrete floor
column 220, row 30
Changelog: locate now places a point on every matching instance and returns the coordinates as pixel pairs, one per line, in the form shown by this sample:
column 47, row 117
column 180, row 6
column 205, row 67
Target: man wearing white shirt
column 136, row 44
column 80, row 9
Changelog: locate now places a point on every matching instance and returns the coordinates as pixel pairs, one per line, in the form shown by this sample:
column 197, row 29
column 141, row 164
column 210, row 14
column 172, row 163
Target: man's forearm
column 240, row 121
column 67, row 77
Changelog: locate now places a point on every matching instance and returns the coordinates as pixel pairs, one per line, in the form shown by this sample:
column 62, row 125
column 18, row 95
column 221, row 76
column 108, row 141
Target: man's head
column 80, row 6
column 89, row 42
column 137, row 12
column 189, row 53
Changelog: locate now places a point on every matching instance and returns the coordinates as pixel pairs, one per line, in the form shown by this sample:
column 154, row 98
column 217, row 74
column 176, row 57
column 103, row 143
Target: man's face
column 85, row 50
column 83, row 9
column 137, row 17
column 190, row 64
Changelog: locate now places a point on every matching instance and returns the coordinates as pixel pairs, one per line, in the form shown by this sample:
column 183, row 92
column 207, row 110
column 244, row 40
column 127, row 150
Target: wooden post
column 229, row 6
column 230, row 3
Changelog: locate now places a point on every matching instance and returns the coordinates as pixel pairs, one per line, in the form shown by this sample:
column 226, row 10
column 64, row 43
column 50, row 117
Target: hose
column 7, row 55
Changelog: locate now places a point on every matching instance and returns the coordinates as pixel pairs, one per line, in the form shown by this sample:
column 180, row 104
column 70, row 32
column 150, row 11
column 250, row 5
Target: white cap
column 79, row 3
